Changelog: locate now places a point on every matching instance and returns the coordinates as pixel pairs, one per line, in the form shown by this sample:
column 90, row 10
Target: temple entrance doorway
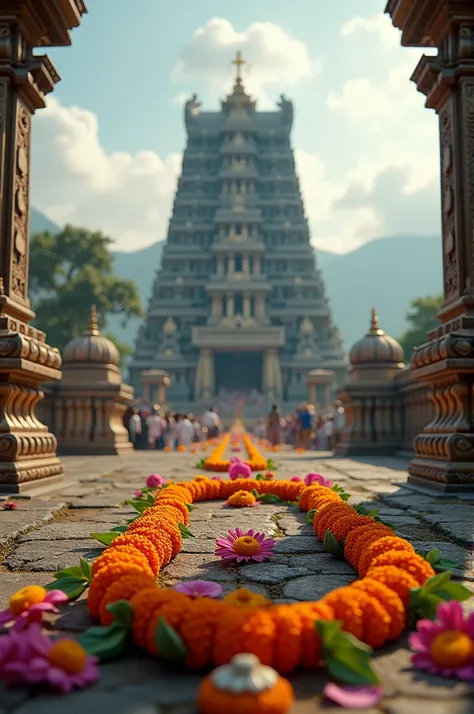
column 238, row 371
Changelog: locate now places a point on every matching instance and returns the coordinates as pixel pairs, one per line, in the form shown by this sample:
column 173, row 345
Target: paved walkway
column 51, row 532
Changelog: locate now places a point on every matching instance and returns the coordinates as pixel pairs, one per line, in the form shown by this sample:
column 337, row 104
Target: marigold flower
column 174, row 611
column 363, row 538
column 391, row 602
column 317, row 501
column 27, row 605
column 144, row 604
column 379, row 546
column 306, row 493
column 332, row 512
column 242, row 499
column 160, row 540
column 121, row 553
column 105, row 577
column 347, row 608
column 161, row 523
column 198, row 631
column 309, row 613
column 144, row 545
column 177, row 504
column 396, row 579
column 288, row 639
column 375, row 620
column 411, row 563
column 123, row 589
column 244, row 597
column 343, row 526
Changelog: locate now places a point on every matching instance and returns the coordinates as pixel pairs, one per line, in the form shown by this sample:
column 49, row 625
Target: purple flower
column 199, row 588
column 29, row 657
column 28, row 604
column 313, row 478
column 155, row 481
column 446, row 645
column 358, row 697
column 296, row 478
column 239, row 469
column 9, row 505
column 244, row 547
column 138, row 494
column 216, row 478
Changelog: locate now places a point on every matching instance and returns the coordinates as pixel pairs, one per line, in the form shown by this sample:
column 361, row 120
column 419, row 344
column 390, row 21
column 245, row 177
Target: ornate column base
column 27, row 449
column 444, row 452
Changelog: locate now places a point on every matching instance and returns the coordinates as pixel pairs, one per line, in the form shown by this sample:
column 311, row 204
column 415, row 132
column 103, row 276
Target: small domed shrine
column 370, row 398
column 90, row 400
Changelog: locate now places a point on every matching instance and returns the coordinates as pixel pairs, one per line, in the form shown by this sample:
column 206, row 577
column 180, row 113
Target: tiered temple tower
column 238, row 309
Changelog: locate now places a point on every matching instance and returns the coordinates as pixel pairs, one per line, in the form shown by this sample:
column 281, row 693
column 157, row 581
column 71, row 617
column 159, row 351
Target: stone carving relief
column 468, row 105
column 19, row 257
column 191, row 110
column 450, row 264
column 287, row 111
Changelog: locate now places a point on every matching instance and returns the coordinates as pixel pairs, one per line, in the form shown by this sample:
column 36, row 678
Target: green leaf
column 75, row 571
column 105, row 538
column 200, row 464
column 310, row 516
column 347, row 659
column 86, row 569
column 255, row 493
column 332, row 546
column 436, row 582
column 167, row 641
column 190, row 507
column 454, row 591
column 72, row 587
column 107, row 643
column 433, row 557
column 185, row 532
column 269, row 498
column 260, row 477
column 424, row 601
column 137, row 504
column 122, row 613
column 120, row 529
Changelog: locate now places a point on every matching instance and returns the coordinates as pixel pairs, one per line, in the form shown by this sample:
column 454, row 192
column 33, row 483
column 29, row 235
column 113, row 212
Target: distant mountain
column 39, row 223
column 387, row 273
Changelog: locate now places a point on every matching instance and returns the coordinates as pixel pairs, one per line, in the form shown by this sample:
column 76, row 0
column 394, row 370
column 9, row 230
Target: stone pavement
column 52, row 531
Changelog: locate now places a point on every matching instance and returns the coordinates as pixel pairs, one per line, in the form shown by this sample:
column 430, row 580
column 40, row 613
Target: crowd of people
column 304, row 429
column 155, row 429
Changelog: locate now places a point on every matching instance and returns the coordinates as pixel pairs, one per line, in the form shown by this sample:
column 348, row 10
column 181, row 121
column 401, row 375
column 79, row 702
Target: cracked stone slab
column 322, row 563
column 198, row 566
column 295, row 525
column 270, row 573
column 312, row 587
column 50, row 556
column 66, row 531
column 299, row 544
column 15, row 523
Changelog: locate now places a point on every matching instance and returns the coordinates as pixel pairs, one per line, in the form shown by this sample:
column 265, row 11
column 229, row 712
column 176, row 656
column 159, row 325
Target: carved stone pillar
column 256, row 266
column 444, row 452
column 207, row 373
column 27, row 449
column 246, row 305
column 245, row 263
column 259, row 306
column 230, row 305
column 231, row 264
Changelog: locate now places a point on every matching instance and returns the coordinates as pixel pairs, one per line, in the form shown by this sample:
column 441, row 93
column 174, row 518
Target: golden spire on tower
column 238, row 62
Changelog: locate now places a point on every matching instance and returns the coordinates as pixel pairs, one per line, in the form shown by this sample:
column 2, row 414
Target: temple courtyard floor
column 52, row 531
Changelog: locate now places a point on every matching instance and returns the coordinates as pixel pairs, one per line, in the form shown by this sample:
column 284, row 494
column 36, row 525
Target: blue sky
column 366, row 148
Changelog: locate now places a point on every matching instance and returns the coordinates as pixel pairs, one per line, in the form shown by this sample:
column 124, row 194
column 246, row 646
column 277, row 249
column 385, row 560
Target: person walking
column 210, row 420
column 185, row 431
column 155, row 429
column 274, row 426
column 135, row 428
column 170, row 431
column 306, row 427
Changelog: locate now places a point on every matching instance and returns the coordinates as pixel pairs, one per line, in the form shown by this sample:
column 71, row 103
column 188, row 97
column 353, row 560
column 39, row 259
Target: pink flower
column 29, row 657
column 239, row 469
column 138, row 494
column 216, row 478
column 155, row 481
column 240, row 546
column 9, row 505
column 313, row 478
column 446, row 646
column 358, row 697
column 199, row 588
column 28, row 604
column 296, row 478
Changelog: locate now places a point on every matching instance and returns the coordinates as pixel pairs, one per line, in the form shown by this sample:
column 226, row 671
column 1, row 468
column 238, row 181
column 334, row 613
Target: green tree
column 70, row 271
column 421, row 320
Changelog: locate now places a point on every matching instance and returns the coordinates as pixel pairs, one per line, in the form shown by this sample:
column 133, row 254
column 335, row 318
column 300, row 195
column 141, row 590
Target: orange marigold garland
column 373, row 609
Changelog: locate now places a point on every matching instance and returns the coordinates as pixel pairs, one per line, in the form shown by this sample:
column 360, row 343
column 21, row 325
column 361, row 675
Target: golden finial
column 374, row 321
column 93, row 325
column 238, row 62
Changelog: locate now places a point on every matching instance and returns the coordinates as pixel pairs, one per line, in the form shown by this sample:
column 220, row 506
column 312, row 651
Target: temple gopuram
column 238, row 312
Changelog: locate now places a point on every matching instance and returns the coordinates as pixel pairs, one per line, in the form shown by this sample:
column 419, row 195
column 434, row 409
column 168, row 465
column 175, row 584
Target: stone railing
column 416, row 407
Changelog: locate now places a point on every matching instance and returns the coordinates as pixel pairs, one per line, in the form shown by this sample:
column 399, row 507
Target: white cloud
column 272, row 56
column 75, row 180
column 380, row 25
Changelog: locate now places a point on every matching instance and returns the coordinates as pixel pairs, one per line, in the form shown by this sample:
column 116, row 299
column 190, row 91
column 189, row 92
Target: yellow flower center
column 241, row 498
column 25, row 598
column 246, row 545
column 452, row 649
column 68, row 656
column 243, row 597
